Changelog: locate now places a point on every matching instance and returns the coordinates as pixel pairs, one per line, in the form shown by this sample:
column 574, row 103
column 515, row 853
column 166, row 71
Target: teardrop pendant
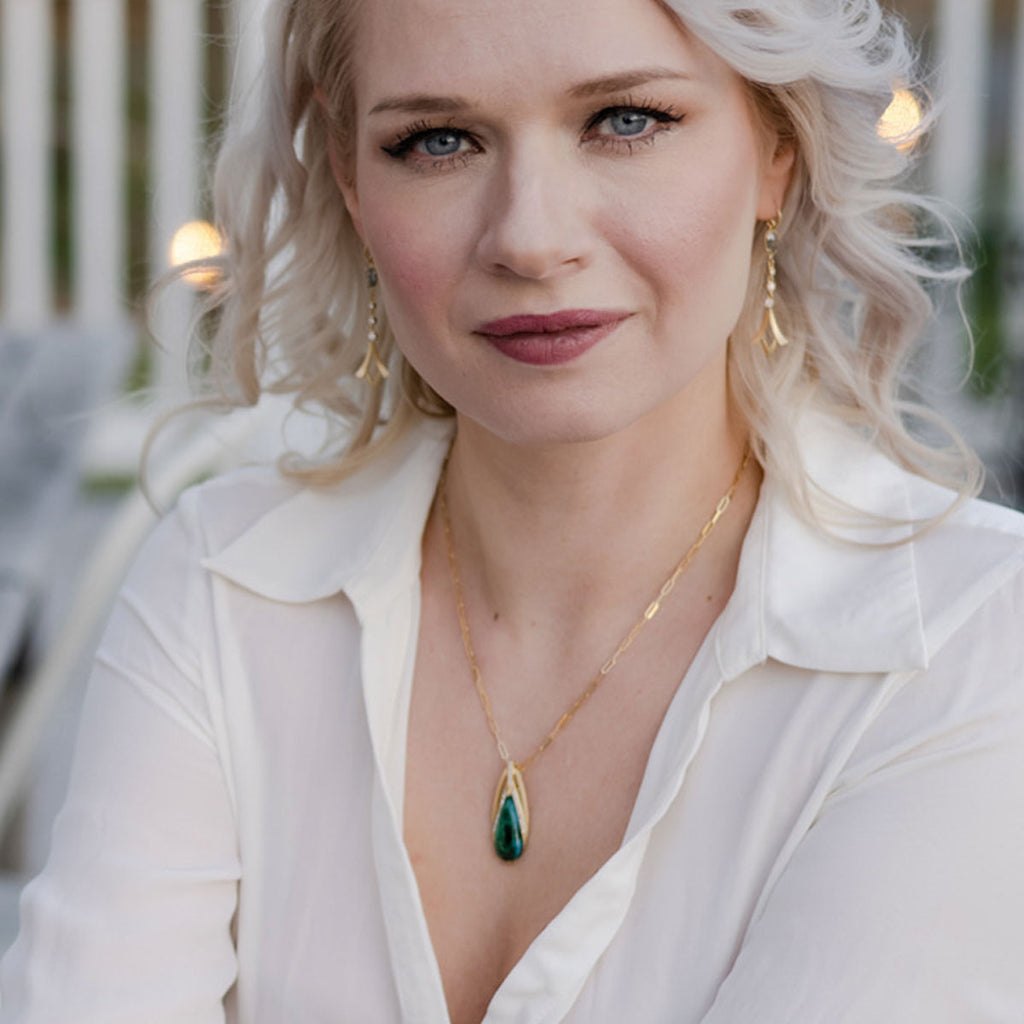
column 510, row 815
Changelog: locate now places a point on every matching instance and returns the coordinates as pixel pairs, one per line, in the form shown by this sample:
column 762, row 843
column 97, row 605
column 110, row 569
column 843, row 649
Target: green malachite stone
column 508, row 834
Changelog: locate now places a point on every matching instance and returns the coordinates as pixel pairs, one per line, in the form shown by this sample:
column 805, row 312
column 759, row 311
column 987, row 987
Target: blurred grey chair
column 48, row 384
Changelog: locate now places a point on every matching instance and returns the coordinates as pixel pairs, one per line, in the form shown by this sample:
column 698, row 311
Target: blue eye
column 622, row 125
column 424, row 142
column 628, row 122
column 441, row 143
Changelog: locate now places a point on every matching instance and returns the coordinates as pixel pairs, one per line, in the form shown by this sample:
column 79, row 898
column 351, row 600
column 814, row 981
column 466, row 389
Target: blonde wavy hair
column 857, row 247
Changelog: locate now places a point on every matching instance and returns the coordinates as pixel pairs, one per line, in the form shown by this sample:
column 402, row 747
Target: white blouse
column 830, row 828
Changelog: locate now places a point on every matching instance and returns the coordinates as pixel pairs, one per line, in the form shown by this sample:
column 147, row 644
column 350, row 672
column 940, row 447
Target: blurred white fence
column 97, row 83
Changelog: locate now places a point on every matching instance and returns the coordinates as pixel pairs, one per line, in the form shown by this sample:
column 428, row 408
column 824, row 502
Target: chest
column 484, row 912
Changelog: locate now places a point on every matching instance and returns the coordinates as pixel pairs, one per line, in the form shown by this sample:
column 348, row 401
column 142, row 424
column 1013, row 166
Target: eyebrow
column 422, row 103
column 427, row 103
column 624, row 81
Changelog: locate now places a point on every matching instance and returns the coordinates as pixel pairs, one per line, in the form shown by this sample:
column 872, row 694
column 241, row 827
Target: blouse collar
column 802, row 597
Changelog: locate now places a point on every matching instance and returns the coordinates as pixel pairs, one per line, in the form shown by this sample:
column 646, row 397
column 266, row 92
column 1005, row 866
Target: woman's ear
column 343, row 176
column 775, row 181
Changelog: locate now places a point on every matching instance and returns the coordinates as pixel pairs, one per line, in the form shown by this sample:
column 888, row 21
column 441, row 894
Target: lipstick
column 550, row 338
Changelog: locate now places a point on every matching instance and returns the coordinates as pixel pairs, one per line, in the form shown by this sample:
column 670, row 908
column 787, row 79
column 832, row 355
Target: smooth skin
column 531, row 156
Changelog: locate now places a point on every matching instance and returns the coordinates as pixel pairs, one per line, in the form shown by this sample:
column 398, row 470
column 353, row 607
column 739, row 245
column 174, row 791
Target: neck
column 578, row 535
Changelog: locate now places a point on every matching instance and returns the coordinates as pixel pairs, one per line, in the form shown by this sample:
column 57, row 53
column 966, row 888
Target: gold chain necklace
column 510, row 812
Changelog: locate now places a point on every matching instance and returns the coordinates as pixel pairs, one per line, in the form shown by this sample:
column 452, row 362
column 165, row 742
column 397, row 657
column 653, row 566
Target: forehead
column 485, row 47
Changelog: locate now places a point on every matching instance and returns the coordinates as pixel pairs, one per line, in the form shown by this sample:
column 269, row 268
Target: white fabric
column 830, row 828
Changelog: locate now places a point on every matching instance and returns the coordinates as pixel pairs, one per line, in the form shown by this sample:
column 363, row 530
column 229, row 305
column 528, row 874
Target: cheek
column 693, row 244
column 408, row 282
column 411, row 258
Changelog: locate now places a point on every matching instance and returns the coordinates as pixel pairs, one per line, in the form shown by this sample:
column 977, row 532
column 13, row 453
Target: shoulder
column 891, row 570
column 205, row 519
column 965, row 702
column 295, row 543
column 969, row 567
column 959, row 551
column 217, row 511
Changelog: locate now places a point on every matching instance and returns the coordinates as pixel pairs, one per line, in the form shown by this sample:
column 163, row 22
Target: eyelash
column 663, row 116
column 419, row 130
column 402, row 148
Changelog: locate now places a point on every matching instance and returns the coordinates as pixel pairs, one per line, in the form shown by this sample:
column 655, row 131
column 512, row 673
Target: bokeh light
column 901, row 122
column 197, row 240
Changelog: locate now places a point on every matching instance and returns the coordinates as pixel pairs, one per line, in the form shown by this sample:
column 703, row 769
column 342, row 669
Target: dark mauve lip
column 550, row 323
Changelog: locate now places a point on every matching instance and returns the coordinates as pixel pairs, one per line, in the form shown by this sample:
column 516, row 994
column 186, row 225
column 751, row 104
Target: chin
column 537, row 434
column 645, row 401
column 559, row 422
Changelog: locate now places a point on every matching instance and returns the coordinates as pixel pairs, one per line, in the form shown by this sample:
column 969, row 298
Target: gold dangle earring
column 770, row 334
column 372, row 368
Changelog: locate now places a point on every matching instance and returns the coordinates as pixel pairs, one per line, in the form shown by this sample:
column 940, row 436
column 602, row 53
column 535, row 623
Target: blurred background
column 110, row 111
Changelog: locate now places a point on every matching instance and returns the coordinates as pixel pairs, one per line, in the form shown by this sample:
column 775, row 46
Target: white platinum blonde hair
column 854, row 266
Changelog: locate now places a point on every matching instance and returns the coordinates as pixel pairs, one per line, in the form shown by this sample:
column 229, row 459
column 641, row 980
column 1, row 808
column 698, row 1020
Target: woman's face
column 560, row 197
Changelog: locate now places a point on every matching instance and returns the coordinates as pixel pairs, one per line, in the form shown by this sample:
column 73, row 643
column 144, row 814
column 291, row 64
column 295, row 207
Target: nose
column 535, row 225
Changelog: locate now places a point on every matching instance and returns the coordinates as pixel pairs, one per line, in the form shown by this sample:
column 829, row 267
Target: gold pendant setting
column 510, row 814
column 770, row 334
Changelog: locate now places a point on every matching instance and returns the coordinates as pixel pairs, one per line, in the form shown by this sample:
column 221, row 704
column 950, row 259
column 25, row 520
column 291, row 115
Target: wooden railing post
column 26, row 60
column 1015, row 281
column 175, row 110
column 99, row 58
column 958, row 148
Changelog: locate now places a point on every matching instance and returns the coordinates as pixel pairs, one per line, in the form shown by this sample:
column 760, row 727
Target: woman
column 637, row 666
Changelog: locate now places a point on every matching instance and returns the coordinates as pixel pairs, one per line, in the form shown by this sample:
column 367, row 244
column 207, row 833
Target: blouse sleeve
column 904, row 901
column 131, row 918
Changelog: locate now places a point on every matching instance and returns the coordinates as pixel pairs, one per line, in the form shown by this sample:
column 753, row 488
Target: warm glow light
column 902, row 120
column 197, row 240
